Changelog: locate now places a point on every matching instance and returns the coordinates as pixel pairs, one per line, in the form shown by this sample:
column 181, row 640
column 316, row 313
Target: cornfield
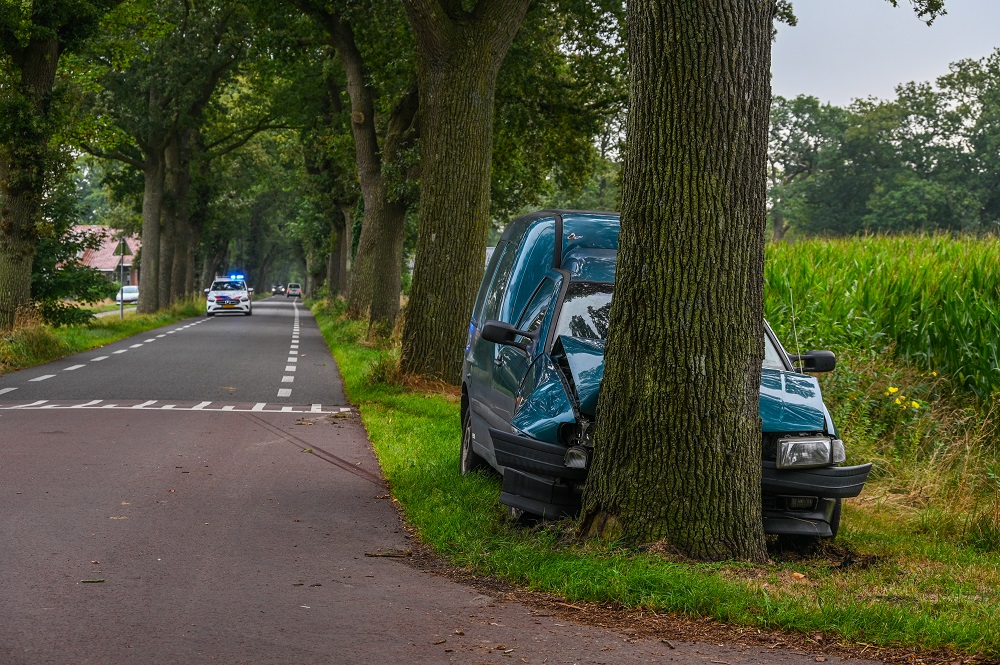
column 935, row 300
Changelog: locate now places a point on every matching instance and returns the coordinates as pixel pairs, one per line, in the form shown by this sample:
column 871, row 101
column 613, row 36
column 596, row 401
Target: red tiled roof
column 105, row 258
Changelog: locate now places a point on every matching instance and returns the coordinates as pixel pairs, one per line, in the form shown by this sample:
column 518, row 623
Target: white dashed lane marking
column 4, row 391
column 120, row 351
column 290, row 368
column 285, row 392
column 70, row 369
column 99, row 359
column 287, row 379
column 42, row 377
column 200, row 407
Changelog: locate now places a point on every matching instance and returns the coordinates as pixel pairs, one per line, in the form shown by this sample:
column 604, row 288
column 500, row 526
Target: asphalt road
column 203, row 493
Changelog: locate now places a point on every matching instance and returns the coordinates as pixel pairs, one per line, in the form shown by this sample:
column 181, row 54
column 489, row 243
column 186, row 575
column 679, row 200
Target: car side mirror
column 499, row 332
column 816, row 361
column 207, row 290
column 250, row 290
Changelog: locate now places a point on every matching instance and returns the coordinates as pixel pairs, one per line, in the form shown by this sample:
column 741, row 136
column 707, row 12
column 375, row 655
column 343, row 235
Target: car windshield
column 228, row 286
column 585, row 314
column 131, row 289
column 585, row 310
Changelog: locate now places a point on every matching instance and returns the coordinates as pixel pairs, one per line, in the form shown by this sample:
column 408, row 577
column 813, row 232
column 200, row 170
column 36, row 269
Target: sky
column 842, row 50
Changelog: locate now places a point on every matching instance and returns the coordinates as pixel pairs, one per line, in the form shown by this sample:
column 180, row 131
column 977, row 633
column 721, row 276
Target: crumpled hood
column 789, row 402
column 586, row 362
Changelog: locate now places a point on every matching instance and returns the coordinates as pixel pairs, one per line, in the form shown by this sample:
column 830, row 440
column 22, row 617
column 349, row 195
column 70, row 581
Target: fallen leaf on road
column 304, row 421
column 119, row 517
column 308, row 450
column 440, row 642
column 91, row 581
column 798, row 576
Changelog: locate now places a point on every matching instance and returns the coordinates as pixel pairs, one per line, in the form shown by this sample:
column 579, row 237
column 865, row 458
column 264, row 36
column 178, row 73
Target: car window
column 534, row 312
column 585, row 310
column 772, row 358
column 484, row 288
column 500, row 283
column 228, row 286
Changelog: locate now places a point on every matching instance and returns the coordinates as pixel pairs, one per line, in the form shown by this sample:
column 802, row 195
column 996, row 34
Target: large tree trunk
column 179, row 186
column 459, row 57
column 24, row 155
column 340, row 252
column 154, row 179
column 677, row 455
column 377, row 279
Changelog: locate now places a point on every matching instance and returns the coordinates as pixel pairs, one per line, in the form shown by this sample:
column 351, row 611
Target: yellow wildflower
column 892, row 390
column 915, row 404
column 933, row 373
column 898, row 401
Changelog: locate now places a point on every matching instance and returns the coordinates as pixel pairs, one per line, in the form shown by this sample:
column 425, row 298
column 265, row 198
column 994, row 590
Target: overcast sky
column 845, row 49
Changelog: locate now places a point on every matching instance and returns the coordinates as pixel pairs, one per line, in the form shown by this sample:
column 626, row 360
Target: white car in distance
column 229, row 295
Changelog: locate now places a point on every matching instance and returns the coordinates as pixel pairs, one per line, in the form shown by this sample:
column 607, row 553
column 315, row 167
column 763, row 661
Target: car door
column 511, row 363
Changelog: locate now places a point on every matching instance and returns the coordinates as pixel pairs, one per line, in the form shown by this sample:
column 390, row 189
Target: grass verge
column 32, row 343
column 883, row 583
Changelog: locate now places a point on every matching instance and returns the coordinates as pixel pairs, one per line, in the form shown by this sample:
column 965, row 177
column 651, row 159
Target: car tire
column 209, row 313
column 469, row 460
column 249, row 312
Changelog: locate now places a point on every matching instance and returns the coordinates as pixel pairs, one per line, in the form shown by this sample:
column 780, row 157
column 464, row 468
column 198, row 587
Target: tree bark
column 459, row 57
column 154, row 176
column 677, row 453
column 179, row 186
column 24, row 153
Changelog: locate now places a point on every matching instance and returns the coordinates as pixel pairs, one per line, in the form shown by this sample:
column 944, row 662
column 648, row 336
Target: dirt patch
column 637, row 624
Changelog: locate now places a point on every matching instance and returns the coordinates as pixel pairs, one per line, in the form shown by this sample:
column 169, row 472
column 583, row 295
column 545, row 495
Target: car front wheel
column 470, row 460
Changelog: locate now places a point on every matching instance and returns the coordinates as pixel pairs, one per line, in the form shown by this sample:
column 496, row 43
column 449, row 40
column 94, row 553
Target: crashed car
column 533, row 367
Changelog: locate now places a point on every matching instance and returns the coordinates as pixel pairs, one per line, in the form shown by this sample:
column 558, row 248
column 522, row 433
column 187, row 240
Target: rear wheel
column 470, row 461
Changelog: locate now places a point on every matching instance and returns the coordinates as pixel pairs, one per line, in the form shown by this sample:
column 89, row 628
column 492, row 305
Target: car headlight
column 805, row 451
column 211, row 299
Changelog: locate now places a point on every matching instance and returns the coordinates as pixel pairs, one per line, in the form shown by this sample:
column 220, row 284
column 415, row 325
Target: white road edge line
column 200, row 406
column 144, row 404
column 259, row 406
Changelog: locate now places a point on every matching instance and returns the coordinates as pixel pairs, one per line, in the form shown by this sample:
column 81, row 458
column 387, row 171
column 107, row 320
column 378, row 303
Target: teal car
column 535, row 359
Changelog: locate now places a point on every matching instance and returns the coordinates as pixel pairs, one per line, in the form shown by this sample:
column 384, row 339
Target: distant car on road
column 293, row 291
column 228, row 295
column 278, row 289
column 128, row 294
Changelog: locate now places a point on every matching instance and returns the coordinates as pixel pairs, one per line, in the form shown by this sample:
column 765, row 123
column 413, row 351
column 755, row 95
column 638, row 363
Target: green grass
column 33, row 343
column 908, row 586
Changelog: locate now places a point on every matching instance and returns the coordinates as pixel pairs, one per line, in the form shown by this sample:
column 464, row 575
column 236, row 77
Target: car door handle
column 499, row 360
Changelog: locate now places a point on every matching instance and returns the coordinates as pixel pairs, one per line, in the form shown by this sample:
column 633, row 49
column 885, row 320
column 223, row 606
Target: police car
column 229, row 294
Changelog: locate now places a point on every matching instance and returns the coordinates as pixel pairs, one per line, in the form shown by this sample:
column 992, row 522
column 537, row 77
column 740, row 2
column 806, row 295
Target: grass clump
column 888, row 581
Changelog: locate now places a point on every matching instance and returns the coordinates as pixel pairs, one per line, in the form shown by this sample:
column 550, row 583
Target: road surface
column 203, row 493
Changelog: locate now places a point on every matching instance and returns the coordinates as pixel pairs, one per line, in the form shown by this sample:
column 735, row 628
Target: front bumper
column 537, row 481
column 229, row 306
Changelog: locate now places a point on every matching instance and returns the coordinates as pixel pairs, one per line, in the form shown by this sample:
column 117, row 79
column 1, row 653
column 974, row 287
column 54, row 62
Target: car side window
column 534, row 312
column 489, row 275
column 500, row 283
